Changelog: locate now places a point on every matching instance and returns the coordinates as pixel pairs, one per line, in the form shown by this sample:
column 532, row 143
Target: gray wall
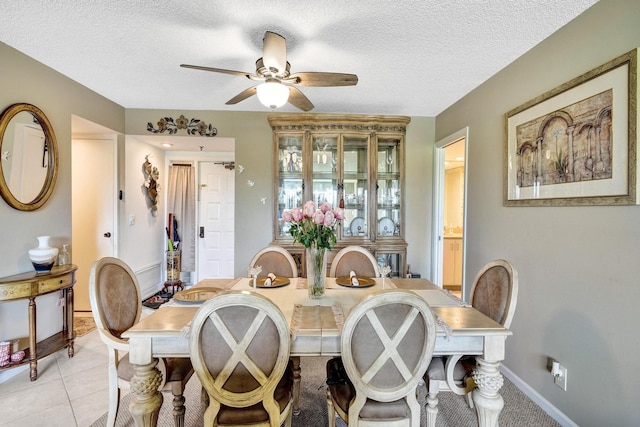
column 254, row 150
column 25, row 80
column 578, row 266
column 253, row 144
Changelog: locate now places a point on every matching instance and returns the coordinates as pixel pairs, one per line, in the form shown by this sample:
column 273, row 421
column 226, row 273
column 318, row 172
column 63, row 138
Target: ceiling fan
column 279, row 85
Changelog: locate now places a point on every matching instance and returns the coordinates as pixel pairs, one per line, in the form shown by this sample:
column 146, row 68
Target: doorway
column 450, row 211
column 93, row 209
column 208, row 189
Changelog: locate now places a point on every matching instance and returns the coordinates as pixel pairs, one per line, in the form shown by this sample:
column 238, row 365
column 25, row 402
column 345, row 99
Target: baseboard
column 538, row 399
column 149, row 279
column 148, row 292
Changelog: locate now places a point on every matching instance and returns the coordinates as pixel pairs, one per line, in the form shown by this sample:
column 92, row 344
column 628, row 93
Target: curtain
column 181, row 200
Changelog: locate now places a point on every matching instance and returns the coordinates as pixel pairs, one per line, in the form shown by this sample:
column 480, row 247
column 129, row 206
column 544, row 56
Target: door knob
column 107, row 234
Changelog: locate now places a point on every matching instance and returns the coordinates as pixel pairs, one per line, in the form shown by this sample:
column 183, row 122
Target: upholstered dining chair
column 239, row 346
column 116, row 305
column 495, row 294
column 387, row 342
column 356, row 259
column 276, row 260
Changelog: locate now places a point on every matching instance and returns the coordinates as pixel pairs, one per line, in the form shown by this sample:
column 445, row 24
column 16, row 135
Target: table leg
column 486, row 398
column 68, row 312
column 296, row 384
column 146, row 402
column 33, row 351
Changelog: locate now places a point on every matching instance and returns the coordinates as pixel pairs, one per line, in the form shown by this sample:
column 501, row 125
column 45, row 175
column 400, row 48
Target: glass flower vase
column 316, row 263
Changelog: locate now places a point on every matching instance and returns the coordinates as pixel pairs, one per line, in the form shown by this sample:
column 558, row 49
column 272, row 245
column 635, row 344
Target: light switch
column 132, row 219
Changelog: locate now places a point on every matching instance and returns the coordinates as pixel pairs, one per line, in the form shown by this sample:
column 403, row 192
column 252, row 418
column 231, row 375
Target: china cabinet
column 352, row 161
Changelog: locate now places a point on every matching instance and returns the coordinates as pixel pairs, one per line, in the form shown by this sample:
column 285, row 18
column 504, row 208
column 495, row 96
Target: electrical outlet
column 561, row 380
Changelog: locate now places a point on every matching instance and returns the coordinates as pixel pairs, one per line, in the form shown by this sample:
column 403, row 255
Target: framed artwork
column 576, row 144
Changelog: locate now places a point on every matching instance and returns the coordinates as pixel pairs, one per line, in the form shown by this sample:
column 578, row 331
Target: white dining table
column 315, row 327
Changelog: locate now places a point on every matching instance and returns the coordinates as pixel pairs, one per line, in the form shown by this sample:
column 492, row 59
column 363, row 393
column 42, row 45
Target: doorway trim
column 437, row 243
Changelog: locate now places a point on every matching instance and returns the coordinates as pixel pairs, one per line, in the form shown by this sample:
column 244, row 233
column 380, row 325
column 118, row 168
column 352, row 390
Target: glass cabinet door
column 355, row 188
column 388, row 185
column 395, row 260
column 289, row 179
column 324, row 166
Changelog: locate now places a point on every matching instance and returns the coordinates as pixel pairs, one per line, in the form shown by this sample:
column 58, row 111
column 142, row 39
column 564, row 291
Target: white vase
column 44, row 256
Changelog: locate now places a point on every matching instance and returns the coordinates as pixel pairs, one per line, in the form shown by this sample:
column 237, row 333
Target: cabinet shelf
column 290, row 175
column 355, row 175
column 324, row 175
column 388, row 176
column 354, row 206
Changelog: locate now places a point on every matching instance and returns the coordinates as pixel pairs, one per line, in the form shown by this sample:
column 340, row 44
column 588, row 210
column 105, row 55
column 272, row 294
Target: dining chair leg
column 296, row 384
column 114, row 396
column 289, row 419
column 432, row 403
column 470, row 386
column 331, row 412
column 178, row 409
column 204, row 399
column 114, row 402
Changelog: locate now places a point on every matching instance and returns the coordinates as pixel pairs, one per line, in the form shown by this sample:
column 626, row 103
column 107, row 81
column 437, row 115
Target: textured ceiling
column 412, row 57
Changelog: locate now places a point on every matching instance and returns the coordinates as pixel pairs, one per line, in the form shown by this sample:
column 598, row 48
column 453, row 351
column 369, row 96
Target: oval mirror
column 29, row 163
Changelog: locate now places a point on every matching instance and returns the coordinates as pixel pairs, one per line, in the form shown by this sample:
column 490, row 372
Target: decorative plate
column 196, row 295
column 363, row 282
column 279, row 282
column 357, row 226
column 386, row 226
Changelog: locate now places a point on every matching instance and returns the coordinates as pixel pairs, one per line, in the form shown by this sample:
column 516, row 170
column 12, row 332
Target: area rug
column 82, row 325
column 157, row 299
column 519, row 410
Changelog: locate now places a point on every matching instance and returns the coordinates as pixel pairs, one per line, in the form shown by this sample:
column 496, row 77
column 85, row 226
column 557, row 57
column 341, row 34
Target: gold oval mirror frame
column 49, row 157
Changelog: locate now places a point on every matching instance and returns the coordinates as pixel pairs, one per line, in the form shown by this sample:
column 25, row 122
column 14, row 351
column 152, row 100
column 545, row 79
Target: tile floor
column 68, row 391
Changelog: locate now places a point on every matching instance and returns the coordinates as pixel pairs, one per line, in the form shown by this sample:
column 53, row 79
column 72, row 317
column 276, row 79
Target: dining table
column 315, row 326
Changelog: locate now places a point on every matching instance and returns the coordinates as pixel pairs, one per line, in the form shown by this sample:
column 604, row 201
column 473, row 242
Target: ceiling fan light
column 273, row 94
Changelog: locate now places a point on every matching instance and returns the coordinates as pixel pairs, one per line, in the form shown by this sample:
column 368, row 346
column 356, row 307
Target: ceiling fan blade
column 274, row 53
column 219, row 70
column 298, row 100
column 242, row 96
column 323, row 79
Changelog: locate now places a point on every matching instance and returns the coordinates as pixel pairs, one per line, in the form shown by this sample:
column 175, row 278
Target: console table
column 31, row 285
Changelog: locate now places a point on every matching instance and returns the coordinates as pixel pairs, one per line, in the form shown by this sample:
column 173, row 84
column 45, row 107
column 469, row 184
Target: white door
column 93, row 202
column 216, row 221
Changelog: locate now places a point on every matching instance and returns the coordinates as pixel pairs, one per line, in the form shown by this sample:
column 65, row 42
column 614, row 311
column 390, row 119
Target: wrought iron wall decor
column 151, row 176
column 192, row 126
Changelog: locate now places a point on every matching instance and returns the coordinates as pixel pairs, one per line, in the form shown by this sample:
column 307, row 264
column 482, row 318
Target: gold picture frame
column 576, row 145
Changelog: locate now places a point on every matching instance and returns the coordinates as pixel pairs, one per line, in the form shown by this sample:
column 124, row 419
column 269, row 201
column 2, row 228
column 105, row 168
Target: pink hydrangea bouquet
column 314, row 227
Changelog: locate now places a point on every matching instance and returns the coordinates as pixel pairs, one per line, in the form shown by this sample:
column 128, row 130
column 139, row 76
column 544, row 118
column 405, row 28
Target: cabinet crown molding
column 338, row 122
